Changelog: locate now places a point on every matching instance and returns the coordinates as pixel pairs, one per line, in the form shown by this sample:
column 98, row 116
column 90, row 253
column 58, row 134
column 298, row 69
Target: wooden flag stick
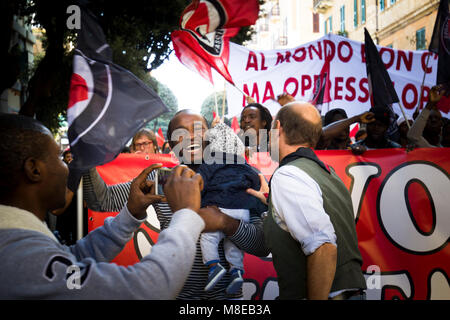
column 215, row 101
column 404, row 115
column 423, row 82
column 223, row 101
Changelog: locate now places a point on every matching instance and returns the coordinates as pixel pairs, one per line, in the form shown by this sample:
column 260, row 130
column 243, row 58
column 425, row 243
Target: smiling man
column 186, row 132
column 187, row 136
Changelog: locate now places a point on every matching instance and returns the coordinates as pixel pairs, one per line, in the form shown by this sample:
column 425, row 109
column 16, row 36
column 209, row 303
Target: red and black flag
column 440, row 44
column 107, row 103
column 322, row 85
column 206, row 28
column 381, row 89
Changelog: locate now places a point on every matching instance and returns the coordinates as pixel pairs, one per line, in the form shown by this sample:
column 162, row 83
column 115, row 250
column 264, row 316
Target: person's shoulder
column 290, row 173
column 23, row 242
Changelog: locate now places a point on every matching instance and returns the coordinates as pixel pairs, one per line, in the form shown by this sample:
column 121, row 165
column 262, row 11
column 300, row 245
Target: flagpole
column 79, row 204
column 246, row 95
column 423, row 82
column 215, row 101
column 223, row 101
column 404, row 114
column 242, row 92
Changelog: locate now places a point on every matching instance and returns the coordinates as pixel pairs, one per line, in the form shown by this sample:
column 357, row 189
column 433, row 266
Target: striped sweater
column 249, row 236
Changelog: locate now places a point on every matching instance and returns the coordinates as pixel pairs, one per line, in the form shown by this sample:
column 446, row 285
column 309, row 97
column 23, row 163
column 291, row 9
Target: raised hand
column 142, row 193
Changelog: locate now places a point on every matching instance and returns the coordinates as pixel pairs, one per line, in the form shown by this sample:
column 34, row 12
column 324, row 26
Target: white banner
column 266, row 74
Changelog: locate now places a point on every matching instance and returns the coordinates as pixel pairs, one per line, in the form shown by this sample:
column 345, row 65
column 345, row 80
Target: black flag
column 440, row 42
column 381, row 89
column 107, row 103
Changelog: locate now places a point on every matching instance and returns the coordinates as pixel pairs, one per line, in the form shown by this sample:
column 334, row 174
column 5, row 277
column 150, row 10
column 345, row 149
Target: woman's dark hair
column 264, row 114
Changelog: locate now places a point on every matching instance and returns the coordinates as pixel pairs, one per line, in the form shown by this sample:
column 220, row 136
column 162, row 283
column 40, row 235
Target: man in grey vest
column 310, row 227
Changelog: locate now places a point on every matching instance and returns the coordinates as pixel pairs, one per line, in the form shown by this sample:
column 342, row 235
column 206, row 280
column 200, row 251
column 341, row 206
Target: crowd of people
column 210, row 212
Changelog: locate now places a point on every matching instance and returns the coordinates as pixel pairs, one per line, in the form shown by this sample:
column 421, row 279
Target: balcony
column 321, row 6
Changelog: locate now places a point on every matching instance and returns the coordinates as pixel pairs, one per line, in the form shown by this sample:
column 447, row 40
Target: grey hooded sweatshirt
column 34, row 265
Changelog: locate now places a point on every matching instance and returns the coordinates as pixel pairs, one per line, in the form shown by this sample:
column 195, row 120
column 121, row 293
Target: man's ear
column 33, row 169
column 276, row 124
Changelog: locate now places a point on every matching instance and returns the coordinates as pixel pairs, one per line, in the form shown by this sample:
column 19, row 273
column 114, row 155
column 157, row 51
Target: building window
column 328, row 25
column 381, row 5
column 363, row 11
column 355, row 13
column 420, row 39
column 392, row 1
column 315, row 22
column 342, row 9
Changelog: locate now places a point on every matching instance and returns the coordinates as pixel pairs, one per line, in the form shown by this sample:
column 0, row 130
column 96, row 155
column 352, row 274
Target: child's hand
column 263, row 192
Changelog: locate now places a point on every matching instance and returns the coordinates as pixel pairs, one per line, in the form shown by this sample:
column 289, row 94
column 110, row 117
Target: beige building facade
column 400, row 24
column 286, row 24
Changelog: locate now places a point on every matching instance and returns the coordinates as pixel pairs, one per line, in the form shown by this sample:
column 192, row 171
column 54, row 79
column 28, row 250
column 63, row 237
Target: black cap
column 381, row 114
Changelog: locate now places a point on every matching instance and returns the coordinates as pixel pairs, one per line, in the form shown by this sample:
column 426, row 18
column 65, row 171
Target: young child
column 225, row 186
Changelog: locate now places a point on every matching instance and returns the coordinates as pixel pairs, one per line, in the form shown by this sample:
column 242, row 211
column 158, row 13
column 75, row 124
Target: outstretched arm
column 333, row 129
column 103, row 198
column 415, row 134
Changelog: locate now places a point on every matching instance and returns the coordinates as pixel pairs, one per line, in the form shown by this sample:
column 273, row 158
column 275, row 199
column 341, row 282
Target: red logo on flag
column 206, row 28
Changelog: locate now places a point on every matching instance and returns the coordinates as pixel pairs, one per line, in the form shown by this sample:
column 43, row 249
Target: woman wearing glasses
column 144, row 142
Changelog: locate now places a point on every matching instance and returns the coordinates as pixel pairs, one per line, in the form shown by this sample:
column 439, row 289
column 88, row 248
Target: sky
column 189, row 87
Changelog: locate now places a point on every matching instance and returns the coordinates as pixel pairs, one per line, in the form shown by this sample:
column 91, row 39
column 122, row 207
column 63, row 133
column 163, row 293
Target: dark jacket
column 225, row 184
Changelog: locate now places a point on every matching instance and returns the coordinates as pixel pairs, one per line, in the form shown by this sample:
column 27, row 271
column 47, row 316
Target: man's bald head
column 175, row 119
column 301, row 123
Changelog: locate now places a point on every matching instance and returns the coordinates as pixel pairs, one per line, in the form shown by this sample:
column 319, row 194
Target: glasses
column 143, row 144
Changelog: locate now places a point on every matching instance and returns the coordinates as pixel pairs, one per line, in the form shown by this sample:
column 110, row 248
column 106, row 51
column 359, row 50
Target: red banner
column 401, row 211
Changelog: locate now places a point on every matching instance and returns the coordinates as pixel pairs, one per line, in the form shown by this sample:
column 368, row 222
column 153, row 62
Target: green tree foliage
column 134, row 29
column 138, row 31
column 171, row 102
column 209, row 106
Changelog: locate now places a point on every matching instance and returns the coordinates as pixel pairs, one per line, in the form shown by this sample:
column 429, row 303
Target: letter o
column 288, row 82
column 350, row 51
column 406, row 89
column 395, row 218
column 391, row 54
column 301, row 57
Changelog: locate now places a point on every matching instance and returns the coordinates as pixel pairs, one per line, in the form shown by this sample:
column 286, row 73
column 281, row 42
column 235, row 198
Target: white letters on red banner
column 402, row 218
